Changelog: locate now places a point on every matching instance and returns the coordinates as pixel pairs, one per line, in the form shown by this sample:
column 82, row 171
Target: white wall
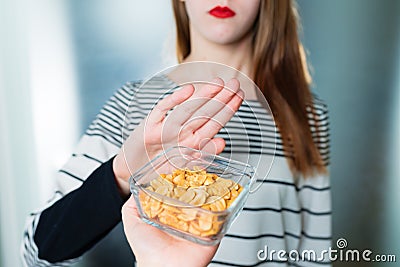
column 38, row 111
column 59, row 61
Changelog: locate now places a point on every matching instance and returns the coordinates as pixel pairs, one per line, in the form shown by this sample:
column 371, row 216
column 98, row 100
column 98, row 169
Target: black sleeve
column 73, row 224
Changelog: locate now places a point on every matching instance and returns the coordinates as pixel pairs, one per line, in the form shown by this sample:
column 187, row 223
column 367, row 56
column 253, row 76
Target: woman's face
column 222, row 21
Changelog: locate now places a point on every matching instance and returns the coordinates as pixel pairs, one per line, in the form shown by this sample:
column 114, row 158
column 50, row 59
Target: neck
column 237, row 55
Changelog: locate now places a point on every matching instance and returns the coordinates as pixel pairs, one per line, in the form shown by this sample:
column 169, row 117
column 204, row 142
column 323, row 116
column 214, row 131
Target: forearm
column 72, row 225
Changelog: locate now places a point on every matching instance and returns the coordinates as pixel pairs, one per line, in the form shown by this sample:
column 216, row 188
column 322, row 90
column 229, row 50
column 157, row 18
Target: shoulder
column 318, row 119
column 317, row 110
column 150, row 88
column 129, row 88
column 318, row 104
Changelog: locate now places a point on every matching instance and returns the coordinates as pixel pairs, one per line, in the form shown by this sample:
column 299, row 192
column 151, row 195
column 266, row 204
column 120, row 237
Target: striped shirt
column 282, row 213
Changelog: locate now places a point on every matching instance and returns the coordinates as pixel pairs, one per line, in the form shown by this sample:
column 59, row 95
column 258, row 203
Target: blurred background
column 61, row 60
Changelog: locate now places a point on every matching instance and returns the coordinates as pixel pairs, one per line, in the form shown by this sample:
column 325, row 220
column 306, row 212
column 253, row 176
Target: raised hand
column 194, row 117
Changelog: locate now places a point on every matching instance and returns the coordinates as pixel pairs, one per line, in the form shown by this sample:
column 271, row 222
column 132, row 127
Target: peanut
column 196, row 188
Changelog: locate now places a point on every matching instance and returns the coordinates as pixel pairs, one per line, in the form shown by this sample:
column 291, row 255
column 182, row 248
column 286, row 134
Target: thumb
column 130, row 215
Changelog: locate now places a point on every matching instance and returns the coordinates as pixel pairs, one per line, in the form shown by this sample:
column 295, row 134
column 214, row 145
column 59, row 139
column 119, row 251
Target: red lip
column 222, row 12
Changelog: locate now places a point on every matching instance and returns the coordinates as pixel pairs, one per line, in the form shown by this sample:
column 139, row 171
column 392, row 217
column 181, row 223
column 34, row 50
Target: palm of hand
column 153, row 247
column 194, row 118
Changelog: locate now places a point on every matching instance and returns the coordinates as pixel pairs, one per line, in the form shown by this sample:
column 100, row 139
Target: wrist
column 120, row 167
column 121, row 178
column 123, row 171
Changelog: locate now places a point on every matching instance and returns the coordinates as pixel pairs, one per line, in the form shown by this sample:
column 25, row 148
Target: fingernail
column 218, row 81
column 233, row 85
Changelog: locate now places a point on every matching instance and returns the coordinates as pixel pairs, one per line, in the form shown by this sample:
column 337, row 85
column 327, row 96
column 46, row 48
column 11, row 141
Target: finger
column 130, row 215
column 134, row 228
column 160, row 110
column 214, row 125
column 213, row 146
column 202, row 95
column 212, row 107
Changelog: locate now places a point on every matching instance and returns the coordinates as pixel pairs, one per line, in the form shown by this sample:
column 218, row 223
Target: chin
column 225, row 39
column 224, row 36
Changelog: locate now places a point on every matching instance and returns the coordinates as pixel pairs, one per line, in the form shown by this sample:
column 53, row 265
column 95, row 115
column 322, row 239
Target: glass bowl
column 189, row 221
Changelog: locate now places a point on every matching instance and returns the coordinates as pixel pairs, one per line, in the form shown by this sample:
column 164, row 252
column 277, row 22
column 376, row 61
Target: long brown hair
column 280, row 71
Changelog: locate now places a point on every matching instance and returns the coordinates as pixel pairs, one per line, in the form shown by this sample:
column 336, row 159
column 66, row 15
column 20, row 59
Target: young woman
column 291, row 209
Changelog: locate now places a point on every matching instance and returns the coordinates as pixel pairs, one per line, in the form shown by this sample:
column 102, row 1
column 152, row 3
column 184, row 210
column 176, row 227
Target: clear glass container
column 187, row 221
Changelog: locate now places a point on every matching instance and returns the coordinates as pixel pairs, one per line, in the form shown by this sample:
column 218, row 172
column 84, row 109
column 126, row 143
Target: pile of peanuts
column 196, row 188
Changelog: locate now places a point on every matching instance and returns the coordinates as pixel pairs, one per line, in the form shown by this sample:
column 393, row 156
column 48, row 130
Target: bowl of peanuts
column 192, row 194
